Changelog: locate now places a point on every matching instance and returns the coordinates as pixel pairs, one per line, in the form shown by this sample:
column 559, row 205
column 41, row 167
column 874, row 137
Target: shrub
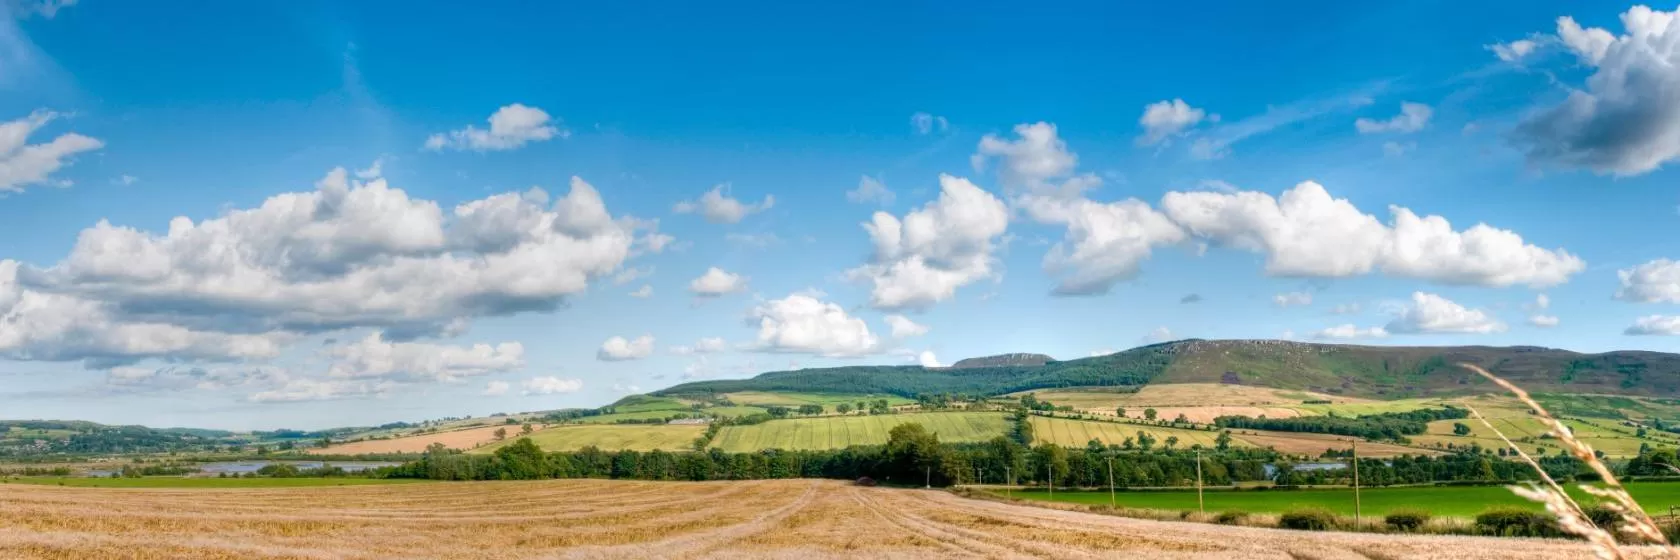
column 1230, row 517
column 1407, row 520
column 1314, row 519
column 1604, row 517
column 865, row 481
column 1517, row 522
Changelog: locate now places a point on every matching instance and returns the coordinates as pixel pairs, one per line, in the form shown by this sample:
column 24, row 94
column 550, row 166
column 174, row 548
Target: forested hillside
column 1386, row 372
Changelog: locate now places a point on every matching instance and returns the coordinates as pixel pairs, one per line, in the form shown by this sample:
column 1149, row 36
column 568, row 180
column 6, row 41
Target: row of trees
column 1394, row 426
column 915, row 456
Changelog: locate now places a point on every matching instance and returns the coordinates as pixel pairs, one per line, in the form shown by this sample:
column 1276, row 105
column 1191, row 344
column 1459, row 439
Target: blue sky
column 1065, row 178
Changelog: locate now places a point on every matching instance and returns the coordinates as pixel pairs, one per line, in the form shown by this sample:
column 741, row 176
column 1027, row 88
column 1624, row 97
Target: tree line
column 915, row 456
column 1392, row 426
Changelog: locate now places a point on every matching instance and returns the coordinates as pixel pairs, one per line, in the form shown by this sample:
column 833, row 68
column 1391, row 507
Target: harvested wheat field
column 458, row 439
column 623, row 519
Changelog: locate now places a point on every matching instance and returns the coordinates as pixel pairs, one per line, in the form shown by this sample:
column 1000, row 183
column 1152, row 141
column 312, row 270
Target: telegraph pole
column 1111, row 482
column 1050, row 480
column 1009, row 489
column 1199, row 503
column 928, row 481
column 1356, row 512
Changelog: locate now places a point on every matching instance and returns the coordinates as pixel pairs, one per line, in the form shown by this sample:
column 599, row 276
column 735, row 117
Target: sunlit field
column 621, row 519
column 1446, row 501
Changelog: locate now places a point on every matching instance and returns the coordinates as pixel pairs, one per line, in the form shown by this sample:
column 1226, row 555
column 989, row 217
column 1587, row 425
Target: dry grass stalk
column 1570, row 513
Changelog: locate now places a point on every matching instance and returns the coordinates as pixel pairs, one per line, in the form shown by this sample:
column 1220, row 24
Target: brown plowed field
column 803, row 519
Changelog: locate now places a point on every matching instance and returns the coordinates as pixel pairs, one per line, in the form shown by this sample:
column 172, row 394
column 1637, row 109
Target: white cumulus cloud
column 1652, row 282
column 375, row 357
column 1168, row 118
column 1430, row 313
column 496, row 388
column 511, row 127
column 803, row 324
column 551, row 385
column 618, row 348
column 716, row 282
column 948, row 243
column 718, row 208
column 1625, row 119
column 926, row 123
column 1307, row 233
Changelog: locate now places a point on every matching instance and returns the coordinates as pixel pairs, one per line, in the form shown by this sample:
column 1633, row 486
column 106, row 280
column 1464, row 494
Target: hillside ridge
column 1381, row 372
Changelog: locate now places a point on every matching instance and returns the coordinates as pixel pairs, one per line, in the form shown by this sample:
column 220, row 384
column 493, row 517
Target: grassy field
column 1450, row 501
column 828, row 400
column 455, row 439
column 645, row 403
column 639, row 437
column 1515, row 421
column 808, row 519
column 201, row 482
column 1077, row 433
column 834, row 432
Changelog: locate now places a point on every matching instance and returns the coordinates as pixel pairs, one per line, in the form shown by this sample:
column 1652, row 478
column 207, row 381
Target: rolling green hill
column 1383, row 372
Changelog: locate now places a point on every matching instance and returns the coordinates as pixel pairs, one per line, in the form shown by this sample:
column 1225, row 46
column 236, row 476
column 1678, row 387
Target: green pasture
column 834, row 432
column 1444, row 501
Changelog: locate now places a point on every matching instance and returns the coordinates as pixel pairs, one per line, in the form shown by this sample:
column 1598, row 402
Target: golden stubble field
column 620, row 519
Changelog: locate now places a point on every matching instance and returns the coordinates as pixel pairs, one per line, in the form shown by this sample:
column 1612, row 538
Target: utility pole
column 1111, row 482
column 1050, row 479
column 928, row 481
column 1356, row 512
column 1009, row 489
column 1200, row 505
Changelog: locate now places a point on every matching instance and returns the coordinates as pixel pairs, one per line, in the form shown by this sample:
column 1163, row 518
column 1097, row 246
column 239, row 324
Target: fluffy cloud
column 803, row 324
column 1292, row 299
column 643, row 292
column 1165, row 119
column 923, row 258
column 375, row 357
column 1652, row 282
column 23, row 164
column 719, row 208
column 1515, row 51
column 1307, row 233
column 1543, row 321
column 903, row 327
column 1430, row 313
column 928, row 360
column 496, row 388
column 550, row 385
column 1626, row 120
column 715, row 282
column 1412, row 118
column 183, row 377
column 510, row 127
column 1035, row 157
column 1348, row 331
column 706, row 345
column 618, row 349
column 1655, row 325
column 870, row 189
column 349, row 254
column 1105, row 242
column 924, row 123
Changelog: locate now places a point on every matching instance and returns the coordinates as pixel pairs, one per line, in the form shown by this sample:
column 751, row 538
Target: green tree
column 1144, row 440
column 1461, row 429
column 913, row 453
column 1172, row 441
column 1120, row 411
column 500, row 433
column 1051, row 461
column 526, row 429
column 1223, row 442
column 1149, row 413
column 843, row 408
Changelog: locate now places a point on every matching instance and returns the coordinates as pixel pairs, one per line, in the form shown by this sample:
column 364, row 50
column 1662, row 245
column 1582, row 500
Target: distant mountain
column 1387, row 372
column 1004, row 360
